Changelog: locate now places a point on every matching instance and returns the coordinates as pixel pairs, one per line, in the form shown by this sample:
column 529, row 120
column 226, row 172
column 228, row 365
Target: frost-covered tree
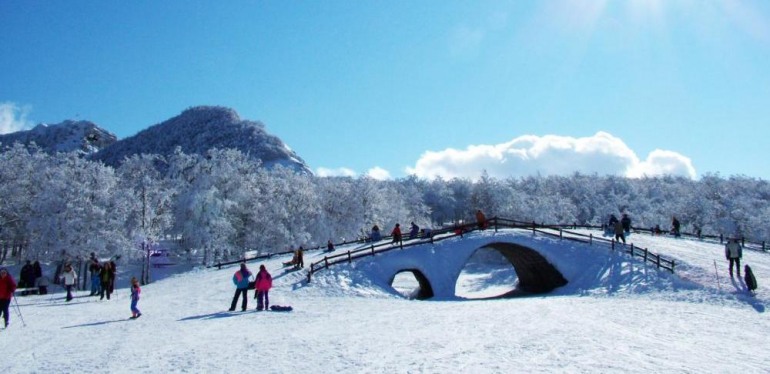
column 149, row 203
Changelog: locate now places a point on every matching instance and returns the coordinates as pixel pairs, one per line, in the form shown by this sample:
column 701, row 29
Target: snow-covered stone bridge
column 437, row 266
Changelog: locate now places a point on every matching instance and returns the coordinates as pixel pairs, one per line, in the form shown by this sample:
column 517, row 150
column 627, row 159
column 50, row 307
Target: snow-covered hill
column 198, row 129
column 616, row 314
column 69, row 136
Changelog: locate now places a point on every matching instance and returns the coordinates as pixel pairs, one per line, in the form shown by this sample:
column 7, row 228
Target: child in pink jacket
column 262, row 285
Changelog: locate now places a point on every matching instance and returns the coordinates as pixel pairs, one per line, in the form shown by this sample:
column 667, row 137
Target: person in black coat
column 27, row 275
column 626, row 222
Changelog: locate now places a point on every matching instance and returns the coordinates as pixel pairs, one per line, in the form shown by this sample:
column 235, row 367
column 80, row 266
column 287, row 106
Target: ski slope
column 616, row 314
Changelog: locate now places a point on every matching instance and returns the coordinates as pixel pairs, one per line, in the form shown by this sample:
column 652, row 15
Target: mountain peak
column 200, row 128
column 81, row 136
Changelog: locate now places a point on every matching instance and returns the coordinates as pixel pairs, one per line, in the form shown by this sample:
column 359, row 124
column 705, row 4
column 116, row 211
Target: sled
column 281, row 308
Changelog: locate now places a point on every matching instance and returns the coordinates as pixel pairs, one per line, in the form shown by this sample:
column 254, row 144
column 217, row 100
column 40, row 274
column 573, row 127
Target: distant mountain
column 69, row 136
column 198, row 129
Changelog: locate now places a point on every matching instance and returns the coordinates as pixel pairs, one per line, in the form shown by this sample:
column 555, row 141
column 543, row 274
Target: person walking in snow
column 95, row 270
column 7, row 288
column 135, row 291
column 626, row 222
column 329, row 246
column 241, row 280
column 396, row 233
column 619, row 234
column 300, row 258
column 733, row 253
column 262, row 286
column 481, row 219
column 69, row 278
column 106, row 278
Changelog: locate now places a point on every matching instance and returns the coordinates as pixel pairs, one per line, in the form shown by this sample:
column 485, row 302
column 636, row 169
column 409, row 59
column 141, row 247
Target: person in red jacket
column 262, row 285
column 396, row 233
column 7, row 287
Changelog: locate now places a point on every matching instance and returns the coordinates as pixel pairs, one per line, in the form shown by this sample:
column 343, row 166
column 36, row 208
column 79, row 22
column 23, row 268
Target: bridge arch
column 437, row 271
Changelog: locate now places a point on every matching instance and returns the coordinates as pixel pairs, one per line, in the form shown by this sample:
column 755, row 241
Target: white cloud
column 338, row 172
column 13, row 118
column 601, row 153
column 378, row 173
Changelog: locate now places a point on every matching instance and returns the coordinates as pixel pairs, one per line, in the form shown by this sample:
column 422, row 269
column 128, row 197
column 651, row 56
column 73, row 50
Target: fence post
column 310, row 273
column 645, row 255
column 673, row 264
column 561, row 236
column 350, row 259
column 534, row 225
column 657, row 257
column 326, row 262
column 495, row 225
column 372, row 249
column 590, row 239
column 632, row 249
column 721, row 238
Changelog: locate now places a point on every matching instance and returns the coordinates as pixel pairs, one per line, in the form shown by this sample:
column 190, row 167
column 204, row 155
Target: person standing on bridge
column 481, row 219
column 396, row 233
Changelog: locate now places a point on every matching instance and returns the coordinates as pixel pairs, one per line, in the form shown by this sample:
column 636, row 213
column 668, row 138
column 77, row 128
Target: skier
column 70, row 279
column 733, row 253
column 7, row 287
column 262, row 286
column 135, row 291
column 329, row 246
column 241, row 280
column 396, row 233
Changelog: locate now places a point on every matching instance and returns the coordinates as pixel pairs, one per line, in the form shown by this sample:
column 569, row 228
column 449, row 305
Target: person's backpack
column 751, row 281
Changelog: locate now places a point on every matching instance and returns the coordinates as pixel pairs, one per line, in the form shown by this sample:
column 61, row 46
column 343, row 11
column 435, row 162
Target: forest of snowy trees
column 222, row 204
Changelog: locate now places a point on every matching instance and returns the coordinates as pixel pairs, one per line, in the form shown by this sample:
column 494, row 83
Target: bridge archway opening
column 534, row 274
column 487, row 274
column 412, row 284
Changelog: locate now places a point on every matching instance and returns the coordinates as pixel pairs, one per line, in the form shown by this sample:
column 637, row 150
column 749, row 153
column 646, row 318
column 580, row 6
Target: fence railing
column 495, row 223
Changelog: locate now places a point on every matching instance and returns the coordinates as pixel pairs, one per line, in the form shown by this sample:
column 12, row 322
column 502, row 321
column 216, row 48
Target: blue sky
column 430, row 87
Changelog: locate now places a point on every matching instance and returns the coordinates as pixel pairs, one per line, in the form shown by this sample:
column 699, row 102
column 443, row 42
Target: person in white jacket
column 70, row 279
column 733, row 253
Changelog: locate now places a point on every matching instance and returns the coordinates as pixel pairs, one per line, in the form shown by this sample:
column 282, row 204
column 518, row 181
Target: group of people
column 621, row 228
column 298, row 259
column 102, row 277
column 32, row 277
column 262, row 284
column 396, row 235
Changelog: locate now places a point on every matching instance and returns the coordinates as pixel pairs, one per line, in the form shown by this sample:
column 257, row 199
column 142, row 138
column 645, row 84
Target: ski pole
column 719, row 286
column 18, row 310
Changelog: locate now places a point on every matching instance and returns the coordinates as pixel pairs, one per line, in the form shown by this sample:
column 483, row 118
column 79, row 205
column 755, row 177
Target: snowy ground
column 615, row 315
